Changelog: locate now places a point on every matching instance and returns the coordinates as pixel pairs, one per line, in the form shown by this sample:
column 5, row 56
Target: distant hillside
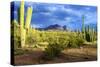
column 59, row 27
column 53, row 27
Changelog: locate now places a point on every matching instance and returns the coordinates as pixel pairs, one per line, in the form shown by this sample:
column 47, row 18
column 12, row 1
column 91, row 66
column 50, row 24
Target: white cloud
column 66, row 10
column 36, row 25
column 47, row 13
column 90, row 18
column 52, row 8
column 59, row 21
column 56, row 8
column 74, row 12
column 68, row 18
column 29, row 3
column 87, row 8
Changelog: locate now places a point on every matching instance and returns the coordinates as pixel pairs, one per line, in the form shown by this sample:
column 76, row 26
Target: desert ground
column 37, row 56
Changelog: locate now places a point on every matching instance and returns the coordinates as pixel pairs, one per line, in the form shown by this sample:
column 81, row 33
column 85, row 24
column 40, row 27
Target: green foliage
column 60, row 41
column 75, row 40
column 18, row 52
column 21, row 51
column 24, row 25
column 66, row 39
column 57, row 42
column 15, row 34
column 53, row 50
column 90, row 34
column 52, row 42
column 87, row 33
column 83, row 27
column 87, row 36
column 32, row 38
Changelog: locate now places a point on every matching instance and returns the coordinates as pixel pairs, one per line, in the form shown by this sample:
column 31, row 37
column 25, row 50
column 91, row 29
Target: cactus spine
column 22, row 24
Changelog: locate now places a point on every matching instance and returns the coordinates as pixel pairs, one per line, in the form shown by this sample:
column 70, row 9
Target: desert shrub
column 43, row 37
column 21, row 51
column 18, row 52
column 57, row 43
column 15, row 35
column 53, row 50
column 75, row 40
column 32, row 38
column 17, row 42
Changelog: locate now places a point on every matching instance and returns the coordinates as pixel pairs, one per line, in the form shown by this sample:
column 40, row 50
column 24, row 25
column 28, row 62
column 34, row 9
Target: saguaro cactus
column 23, row 26
column 22, row 31
column 28, row 18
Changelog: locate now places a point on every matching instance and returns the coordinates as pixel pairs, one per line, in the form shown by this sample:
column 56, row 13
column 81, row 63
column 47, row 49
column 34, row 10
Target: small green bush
column 53, row 50
column 75, row 41
column 56, row 45
column 15, row 35
column 17, row 42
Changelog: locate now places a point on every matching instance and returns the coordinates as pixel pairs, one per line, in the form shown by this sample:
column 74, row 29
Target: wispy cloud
column 37, row 25
column 91, row 18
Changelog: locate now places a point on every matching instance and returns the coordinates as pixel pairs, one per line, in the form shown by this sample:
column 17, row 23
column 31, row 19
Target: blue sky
column 45, row 14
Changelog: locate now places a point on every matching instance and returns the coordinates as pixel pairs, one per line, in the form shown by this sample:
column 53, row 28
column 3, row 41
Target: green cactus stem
column 83, row 27
column 22, row 31
column 24, row 27
column 28, row 18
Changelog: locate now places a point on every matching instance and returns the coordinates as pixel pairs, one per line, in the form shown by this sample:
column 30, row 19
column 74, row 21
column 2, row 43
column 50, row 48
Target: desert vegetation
column 34, row 46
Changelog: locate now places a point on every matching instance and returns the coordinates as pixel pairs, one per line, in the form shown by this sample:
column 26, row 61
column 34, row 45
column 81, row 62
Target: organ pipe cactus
column 24, row 26
column 92, row 35
column 83, row 27
column 89, row 34
column 86, row 32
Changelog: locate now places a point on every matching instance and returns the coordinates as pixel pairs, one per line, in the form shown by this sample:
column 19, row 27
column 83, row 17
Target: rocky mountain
column 54, row 27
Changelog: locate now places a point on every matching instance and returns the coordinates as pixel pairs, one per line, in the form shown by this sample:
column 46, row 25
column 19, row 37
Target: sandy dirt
column 68, row 55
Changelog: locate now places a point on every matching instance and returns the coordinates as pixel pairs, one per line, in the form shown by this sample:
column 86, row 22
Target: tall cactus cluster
column 24, row 26
column 87, row 32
